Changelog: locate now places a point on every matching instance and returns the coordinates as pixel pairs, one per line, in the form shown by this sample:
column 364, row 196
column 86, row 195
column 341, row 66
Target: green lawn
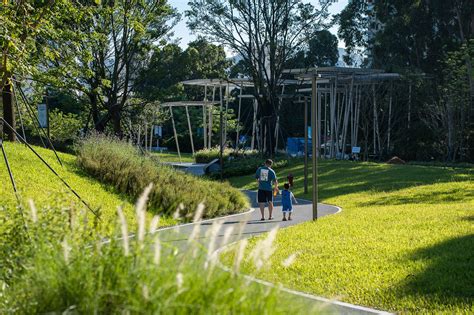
column 173, row 157
column 36, row 182
column 403, row 242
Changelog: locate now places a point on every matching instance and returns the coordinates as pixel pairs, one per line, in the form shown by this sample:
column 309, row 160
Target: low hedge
column 244, row 166
column 123, row 166
column 208, row 155
column 237, row 162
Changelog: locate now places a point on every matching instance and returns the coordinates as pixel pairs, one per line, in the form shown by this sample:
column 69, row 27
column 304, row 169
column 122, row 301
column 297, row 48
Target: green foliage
column 207, row 155
column 403, row 241
column 65, row 266
column 63, row 127
column 237, row 162
column 35, row 181
column 121, row 165
column 321, row 51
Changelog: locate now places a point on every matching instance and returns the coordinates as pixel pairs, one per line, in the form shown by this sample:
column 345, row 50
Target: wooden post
column 314, row 145
column 190, row 129
column 306, row 145
column 175, row 134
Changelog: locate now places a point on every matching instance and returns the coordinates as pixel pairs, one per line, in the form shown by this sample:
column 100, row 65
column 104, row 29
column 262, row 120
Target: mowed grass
column 35, row 181
column 167, row 157
column 404, row 241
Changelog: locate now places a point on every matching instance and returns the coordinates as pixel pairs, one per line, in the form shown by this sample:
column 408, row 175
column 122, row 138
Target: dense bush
column 121, row 165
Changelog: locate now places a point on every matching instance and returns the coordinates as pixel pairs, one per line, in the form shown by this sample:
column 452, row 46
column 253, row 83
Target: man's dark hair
column 287, row 186
column 268, row 162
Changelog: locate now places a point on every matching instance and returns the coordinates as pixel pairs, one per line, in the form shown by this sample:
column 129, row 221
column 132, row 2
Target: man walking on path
column 266, row 178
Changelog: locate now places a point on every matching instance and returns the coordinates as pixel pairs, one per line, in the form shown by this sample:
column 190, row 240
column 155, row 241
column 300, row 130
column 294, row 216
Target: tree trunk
column 116, row 119
column 8, row 111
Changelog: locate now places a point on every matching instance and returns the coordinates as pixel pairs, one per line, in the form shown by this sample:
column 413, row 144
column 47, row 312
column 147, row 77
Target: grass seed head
column 124, row 230
column 34, row 216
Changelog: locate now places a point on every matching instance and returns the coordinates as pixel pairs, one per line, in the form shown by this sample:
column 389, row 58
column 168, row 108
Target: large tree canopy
column 266, row 34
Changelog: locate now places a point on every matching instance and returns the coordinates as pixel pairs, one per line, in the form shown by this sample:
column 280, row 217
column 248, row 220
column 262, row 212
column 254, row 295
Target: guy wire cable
column 25, row 100
column 50, row 168
column 12, row 180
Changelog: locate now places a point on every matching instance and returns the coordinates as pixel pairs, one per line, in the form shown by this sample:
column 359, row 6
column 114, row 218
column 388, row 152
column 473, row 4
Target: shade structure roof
column 233, row 82
column 188, row 103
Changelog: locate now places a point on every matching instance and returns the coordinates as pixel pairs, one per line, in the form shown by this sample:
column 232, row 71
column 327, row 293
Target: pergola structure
column 336, row 100
column 217, row 92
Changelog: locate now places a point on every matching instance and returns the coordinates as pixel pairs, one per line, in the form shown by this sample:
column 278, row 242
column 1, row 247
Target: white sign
column 158, row 130
column 356, row 150
column 43, row 115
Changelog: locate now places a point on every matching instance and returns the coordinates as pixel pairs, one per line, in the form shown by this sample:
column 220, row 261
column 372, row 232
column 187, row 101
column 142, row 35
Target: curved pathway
column 244, row 225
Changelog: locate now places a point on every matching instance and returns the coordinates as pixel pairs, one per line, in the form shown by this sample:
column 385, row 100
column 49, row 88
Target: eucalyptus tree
column 120, row 36
column 266, row 34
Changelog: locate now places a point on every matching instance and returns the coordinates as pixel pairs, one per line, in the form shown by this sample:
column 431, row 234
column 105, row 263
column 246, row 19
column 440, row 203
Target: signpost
column 43, row 117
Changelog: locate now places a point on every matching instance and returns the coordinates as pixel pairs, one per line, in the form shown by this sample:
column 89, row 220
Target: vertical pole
column 175, row 134
column 277, row 126
column 190, row 129
column 254, row 126
column 146, row 136
column 319, row 125
column 409, row 105
column 221, row 150
column 204, row 114
column 209, row 142
column 151, row 137
column 8, row 168
column 306, row 145
column 139, row 135
column 238, row 117
column 314, row 145
column 389, row 117
column 374, row 118
column 226, row 95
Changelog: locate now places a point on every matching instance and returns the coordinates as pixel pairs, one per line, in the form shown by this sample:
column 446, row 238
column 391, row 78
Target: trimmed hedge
column 121, row 165
column 207, row 155
column 237, row 163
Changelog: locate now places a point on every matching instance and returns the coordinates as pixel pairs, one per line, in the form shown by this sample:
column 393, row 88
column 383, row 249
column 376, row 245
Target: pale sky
column 181, row 30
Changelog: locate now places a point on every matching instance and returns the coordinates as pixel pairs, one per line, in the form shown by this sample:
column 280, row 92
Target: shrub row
column 122, row 165
column 236, row 162
column 207, row 155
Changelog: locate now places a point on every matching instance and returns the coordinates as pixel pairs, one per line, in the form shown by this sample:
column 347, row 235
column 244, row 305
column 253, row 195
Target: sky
column 181, row 31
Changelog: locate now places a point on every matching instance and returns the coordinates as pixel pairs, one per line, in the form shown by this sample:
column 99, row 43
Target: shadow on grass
column 449, row 276
column 339, row 178
column 423, row 197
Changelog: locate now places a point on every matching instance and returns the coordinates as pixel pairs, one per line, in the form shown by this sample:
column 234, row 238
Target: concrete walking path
column 245, row 225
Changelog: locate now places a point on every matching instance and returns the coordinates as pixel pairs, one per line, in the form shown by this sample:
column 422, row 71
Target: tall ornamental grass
column 123, row 166
column 67, row 268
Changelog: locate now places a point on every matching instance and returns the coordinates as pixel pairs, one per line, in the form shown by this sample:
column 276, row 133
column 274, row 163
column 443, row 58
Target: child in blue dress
column 287, row 199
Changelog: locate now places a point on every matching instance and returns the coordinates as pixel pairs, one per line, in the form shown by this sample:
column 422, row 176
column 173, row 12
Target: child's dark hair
column 287, row 186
